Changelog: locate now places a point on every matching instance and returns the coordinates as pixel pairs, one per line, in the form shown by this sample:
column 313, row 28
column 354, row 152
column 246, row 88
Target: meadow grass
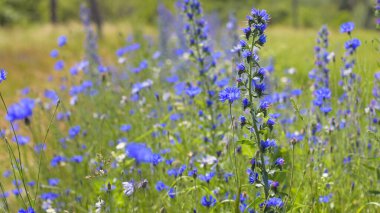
column 309, row 173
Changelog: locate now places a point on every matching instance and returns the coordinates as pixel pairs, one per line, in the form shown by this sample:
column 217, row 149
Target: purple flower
column 3, row 75
column 208, row 201
column 352, row 44
column 347, row 27
column 62, row 40
column 230, row 93
column 21, row 110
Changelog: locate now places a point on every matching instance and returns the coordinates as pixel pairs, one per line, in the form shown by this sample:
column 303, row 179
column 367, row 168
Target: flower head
column 208, row 201
column 230, row 93
column 3, row 75
column 347, row 27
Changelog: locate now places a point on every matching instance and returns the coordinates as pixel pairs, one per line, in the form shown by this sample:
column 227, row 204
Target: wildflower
column 125, row 127
column 253, row 176
column 54, row 53
column 49, row 196
column 21, row 110
column 273, row 202
column 267, row 144
column 240, row 68
column 352, row 44
column 176, row 172
column 53, row 181
column 261, row 15
column 76, row 159
column 207, row 177
column 57, row 160
column 62, row 40
column 280, row 162
column 21, row 140
column 59, row 65
column 74, row 131
column 99, row 205
column 3, row 75
column 325, row 199
column 28, row 210
column 172, row 193
column 230, row 93
column 128, row 188
column 347, row 27
column 140, row 152
column 193, row 91
column 208, row 201
column 160, row 186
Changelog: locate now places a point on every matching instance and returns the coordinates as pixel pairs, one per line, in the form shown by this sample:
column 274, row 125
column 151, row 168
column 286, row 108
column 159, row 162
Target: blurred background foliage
column 298, row 13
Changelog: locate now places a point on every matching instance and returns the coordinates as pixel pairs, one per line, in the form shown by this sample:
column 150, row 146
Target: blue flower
column 22, row 140
column 54, row 53
column 39, row 147
column 262, row 15
column 172, row 193
column 62, row 40
column 352, row 44
column 21, row 110
column 3, row 75
column 125, row 127
column 76, row 159
column 208, row 201
column 59, row 65
column 29, row 210
column 57, row 160
column 193, row 91
column 262, row 39
column 49, row 196
column 253, row 176
column 160, row 186
column 347, row 27
column 280, row 161
column 207, row 177
column 74, row 131
column 140, row 152
column 52, row 95
column 177, row 171
column 267, row 144
column 325, row 199
column 230, row 93
column 53, row 181
column 273, row 202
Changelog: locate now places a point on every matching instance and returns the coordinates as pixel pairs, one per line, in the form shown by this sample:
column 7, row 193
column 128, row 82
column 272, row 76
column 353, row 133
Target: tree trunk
column 53, row 11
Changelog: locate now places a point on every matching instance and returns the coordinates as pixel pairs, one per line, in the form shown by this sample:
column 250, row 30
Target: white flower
column 128, row 188
column 99, row 205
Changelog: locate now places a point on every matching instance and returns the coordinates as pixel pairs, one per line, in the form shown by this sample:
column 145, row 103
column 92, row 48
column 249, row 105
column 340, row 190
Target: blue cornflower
column 21, row 110
column 160, row 186
column 52, row 95
column 3, row 75
column 29, row 210
column 193, row 172
column 208, row 201
column 62, row 40
column 273, row 202
column 102, row 69
column 140, row 152
column 323, row 93
column 54, row 53
column 125, row 127
column 156, row 159
column 352, row 44
column 59, row 65
column 22, row 140
column 193, row 91
column 172, row 193
column 74, row 131
column 39, row 147
column 230, row 93
column 177, row 171
column 325, row 199
column 53, row 181
column 267, row 144
column 280, row 161
column 57, row 160
column 76, row 159
column 207, row 177
column 347, row 27
column 49, row 196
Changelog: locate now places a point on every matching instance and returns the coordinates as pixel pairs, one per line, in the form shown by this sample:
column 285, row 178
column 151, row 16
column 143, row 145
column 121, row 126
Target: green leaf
column 296, row 109
column 248, row 150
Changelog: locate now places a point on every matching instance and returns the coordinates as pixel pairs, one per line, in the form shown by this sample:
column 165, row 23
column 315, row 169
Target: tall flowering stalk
column 252, row 87
column 200, row 52
column 350, row 82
